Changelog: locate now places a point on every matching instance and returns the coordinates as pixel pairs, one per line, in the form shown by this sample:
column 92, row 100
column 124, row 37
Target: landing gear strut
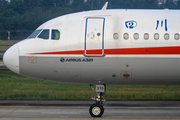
column 97, row 109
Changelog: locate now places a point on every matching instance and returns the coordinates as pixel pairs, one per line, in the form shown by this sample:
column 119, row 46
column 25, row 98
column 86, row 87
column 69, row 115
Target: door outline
column 85, row 44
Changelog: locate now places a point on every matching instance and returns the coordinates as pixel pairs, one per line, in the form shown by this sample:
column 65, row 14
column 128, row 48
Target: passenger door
column 94, row 36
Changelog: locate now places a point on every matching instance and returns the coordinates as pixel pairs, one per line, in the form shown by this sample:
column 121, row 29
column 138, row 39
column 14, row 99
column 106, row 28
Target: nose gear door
column 94, row 37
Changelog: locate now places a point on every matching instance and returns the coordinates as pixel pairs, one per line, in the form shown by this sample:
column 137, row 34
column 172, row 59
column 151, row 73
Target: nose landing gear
column 97, row 109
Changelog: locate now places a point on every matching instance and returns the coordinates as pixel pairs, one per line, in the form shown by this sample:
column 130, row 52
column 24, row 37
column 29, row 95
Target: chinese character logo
column 162, row 23
column 131, row 24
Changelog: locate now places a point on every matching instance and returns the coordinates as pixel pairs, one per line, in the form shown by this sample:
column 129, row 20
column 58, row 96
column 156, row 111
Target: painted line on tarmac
column 89, row 106
column 148, row 107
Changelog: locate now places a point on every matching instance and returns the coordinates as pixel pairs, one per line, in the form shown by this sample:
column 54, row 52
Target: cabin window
column 136, row 36
column 146, row 36
column 35, row 33
column 166, row 36
column 156, row 36
column 44, row 34
column 55, row 35
column 176, row 36
column 126, row 36
column 116, row 36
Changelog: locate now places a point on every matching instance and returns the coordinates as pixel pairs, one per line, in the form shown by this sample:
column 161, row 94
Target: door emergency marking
column 94, row 36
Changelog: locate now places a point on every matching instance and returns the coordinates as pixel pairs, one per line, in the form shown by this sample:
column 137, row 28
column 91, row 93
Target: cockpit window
column 44, row 34
column 35, row 33
column 55, row 35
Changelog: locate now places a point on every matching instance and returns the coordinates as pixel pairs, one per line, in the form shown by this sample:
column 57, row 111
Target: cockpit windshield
column 35, row 33
column 44, row 34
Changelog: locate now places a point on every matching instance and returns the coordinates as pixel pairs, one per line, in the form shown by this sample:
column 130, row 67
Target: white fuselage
column 108, row 46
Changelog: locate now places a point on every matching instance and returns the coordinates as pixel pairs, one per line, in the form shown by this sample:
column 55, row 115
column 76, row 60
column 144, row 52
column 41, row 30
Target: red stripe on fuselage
column 143, row 51
column 78, row 52
column 121, row 51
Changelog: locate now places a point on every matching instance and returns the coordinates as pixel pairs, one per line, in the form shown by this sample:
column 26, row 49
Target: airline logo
column 131, row 24
column 163, row 22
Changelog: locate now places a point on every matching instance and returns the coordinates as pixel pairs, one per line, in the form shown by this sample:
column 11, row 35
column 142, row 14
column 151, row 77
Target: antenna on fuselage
column 105, row 6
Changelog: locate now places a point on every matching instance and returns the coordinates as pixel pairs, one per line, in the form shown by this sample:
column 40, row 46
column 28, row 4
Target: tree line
column 29, row 14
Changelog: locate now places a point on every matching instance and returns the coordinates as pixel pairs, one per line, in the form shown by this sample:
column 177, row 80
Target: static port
column 113, row 75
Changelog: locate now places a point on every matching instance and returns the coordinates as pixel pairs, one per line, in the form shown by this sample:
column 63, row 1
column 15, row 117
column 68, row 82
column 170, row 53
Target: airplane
column 101, row 47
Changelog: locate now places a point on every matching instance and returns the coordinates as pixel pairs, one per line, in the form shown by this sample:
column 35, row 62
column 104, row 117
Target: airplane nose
column 11, row 58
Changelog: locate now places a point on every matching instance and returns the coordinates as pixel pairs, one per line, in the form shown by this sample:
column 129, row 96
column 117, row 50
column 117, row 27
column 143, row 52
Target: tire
column 96, row 110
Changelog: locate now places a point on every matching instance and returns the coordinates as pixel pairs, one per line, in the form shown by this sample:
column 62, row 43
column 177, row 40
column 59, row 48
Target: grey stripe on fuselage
column 109, row 70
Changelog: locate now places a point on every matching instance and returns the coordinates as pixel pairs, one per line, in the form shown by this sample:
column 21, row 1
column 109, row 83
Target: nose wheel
column 97, row 109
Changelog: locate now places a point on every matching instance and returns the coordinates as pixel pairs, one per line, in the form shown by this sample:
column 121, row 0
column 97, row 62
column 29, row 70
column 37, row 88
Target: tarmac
column 2, row 52
column 2, row 65
column 79, row 110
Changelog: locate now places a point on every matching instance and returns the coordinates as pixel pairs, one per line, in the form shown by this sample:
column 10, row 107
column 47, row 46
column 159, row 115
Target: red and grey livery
column 126, row 47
